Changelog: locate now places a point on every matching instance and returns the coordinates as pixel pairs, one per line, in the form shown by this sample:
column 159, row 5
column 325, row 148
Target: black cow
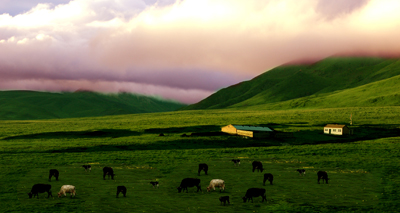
column 121, row 189
column 108, row 171
column 87, row 167
column 154, row 183
column 161, row 134
column 269, row 177
column 324, row 176
column 53, row 172
column 204, row 167
column 40, row 188
column 257, row 165
column 254, row 192
column 236, row 161
column 189, row 182
column 302, row 171
column 223, row 199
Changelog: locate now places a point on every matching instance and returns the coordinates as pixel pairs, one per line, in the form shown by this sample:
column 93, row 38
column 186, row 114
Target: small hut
column 336, row 129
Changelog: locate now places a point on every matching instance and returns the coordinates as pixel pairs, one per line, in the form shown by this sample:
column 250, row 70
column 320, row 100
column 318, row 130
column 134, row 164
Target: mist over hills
column 331, row 82
column 27, row 105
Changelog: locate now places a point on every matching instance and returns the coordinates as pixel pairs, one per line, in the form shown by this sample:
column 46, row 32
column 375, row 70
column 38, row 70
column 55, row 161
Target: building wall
column 333, row 131
column 245, row 133
column 229, row 129
column 346, row 131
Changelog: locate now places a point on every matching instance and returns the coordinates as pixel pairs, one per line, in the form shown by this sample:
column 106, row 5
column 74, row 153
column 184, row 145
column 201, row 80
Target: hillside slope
column 292, row 82
column 24, row 105
column 377, row 94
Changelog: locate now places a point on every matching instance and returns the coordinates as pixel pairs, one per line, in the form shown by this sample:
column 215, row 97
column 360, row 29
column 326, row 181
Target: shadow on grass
column 360, row 134
column 185, row 143
column 204, row 128
column 103, row 133
column 210, row 142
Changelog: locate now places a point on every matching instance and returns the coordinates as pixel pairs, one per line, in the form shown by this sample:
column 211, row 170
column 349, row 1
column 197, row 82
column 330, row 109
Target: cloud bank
column 183, row 50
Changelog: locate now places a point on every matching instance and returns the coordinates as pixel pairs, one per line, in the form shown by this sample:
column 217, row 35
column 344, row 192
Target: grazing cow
column 40, row 188
column 204, row 167
column 254, row 192
column 216, row 183
column 269, row 177
column 154, row 183
column 67, row 189
column 87, row 167
column 121, row 189
column 324, row 176
column 236, row 161
column 257, row 165
column 161, row 134
column 189, row 182
column 108, row 171
column 223, row 199
column 301, row 171
column 53, row 172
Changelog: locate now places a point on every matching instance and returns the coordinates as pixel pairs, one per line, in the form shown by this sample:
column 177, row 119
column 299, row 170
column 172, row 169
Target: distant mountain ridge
column 282, row 87
column 26, row 105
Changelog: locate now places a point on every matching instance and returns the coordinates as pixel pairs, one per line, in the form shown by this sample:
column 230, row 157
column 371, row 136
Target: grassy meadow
column 333, row 82
column 363, row 168
column 33, row 105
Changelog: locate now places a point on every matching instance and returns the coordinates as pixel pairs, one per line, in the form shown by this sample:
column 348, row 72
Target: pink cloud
column 337, row 8
column 181, row 95
column 189, row 48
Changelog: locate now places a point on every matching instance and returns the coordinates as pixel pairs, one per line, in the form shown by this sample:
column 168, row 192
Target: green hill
column 381, row 93
column 321, row 79
column 26, row 105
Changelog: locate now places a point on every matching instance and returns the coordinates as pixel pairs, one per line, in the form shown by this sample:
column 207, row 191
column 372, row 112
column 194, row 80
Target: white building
column 336, row 129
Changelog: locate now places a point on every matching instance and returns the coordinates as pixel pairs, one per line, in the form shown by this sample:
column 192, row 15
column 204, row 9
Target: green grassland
column 29, row 105
column 363, row 168
column 296, row 86
column 381, row 93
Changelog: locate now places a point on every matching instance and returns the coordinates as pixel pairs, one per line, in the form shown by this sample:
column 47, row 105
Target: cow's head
column 208, row 189
column 59, row 194
column 179, row 189
column 244, row 199
column 261, row 169
column 30, row 194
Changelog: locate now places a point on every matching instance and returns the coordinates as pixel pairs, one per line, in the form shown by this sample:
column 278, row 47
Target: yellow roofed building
column 248, row 131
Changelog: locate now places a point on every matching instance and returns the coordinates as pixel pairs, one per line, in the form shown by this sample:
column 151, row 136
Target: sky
column 183, row 50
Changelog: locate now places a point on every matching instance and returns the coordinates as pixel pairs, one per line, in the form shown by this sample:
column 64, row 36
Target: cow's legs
column 264, row 198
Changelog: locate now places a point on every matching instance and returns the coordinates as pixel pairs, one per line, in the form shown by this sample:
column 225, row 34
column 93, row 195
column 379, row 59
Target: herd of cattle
column 185, row 183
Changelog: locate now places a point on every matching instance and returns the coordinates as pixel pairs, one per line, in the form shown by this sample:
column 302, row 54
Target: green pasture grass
column 28, row 105
column 353, row 185
column 381, row 93
column 300, row 84
column 363, row 172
